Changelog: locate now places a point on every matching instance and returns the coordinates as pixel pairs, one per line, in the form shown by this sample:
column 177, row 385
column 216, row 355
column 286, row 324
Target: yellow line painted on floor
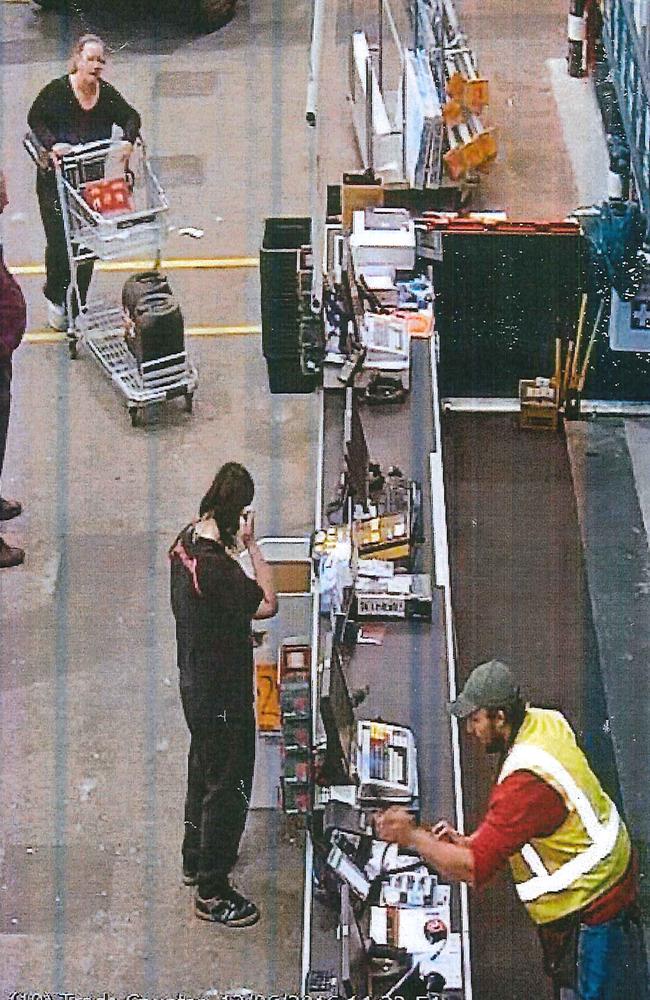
column 222, row 331
column 173, row 264
column 46, row 336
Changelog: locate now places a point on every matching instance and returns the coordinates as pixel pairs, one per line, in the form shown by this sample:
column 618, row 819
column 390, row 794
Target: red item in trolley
column 109, row 197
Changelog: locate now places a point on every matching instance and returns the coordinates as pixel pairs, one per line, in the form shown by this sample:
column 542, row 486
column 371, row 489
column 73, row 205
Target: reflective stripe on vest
column 603, row 835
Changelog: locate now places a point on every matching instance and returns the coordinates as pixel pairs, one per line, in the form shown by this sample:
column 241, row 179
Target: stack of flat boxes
column 295, row 704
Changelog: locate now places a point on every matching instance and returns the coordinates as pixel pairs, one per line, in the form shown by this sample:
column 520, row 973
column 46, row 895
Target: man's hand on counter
column 442, row 847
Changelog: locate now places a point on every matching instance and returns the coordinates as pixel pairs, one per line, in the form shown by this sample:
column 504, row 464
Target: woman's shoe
column 56, row 317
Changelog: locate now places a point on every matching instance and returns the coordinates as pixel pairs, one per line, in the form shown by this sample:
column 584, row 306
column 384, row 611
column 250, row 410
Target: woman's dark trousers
column 57, row 268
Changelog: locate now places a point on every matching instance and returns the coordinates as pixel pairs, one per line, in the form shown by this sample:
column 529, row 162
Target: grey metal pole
column 576, row 37
column 404, row 115
column 312, row 115
column 380, row 68
column 344, row 932
column 315, row 52
column 369, row 116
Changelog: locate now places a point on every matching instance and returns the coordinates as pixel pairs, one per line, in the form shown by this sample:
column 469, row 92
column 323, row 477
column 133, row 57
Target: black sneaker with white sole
column 190, row 877
column 230, row 908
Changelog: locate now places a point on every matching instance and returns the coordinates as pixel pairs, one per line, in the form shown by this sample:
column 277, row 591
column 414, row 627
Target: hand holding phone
column 248, row 528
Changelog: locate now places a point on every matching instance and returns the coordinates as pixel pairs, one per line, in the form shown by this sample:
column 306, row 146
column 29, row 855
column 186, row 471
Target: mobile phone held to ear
column 247, row 522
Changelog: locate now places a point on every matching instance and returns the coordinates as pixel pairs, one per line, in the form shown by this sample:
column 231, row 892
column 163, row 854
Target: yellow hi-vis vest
column 590, row 850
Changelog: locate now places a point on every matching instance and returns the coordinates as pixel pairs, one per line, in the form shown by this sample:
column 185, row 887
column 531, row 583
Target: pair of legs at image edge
column 219, row 783
column 57, row 267
column 10, row 555
column 612, row 962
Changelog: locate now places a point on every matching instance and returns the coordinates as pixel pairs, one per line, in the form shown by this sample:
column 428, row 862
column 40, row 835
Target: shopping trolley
column 113, row 209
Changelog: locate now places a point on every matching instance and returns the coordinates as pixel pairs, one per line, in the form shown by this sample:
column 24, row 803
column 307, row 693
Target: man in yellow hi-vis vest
column 567, row 846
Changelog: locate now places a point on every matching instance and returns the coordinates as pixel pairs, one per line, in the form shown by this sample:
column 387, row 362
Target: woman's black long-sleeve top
column 56, row 115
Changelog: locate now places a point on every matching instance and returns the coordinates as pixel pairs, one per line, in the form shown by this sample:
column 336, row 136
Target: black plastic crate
column 279, row 274
column 286, row 233
column 290, row 355
column 281, row 335
column 277, row 346
column 286, row 375
column 274, row 262
column 280, row 312
column 279, row 287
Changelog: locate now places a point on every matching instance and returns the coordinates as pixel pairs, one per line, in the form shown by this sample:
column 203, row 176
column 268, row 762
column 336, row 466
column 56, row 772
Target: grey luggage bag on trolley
column 157, row 330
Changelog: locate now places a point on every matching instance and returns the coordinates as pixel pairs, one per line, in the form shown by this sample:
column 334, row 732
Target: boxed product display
column 381, row 237
column 295, row 656
column 295, row 797
column 296, row 764
column 295, row 698
column 296, row 732
column 404, row 596
column 387, row 536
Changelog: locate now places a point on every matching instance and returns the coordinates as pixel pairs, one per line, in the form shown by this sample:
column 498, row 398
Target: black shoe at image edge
column 9, row 509
column 231, row 909
column 10, row 555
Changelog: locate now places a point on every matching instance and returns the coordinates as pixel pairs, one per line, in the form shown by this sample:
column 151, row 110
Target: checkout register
column 372, row 765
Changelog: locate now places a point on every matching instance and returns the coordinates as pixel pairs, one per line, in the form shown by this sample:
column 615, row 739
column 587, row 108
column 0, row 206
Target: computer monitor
column 356, row 455
column 337, row 713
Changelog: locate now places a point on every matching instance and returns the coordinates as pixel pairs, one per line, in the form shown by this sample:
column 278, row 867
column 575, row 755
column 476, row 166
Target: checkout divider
column 411, row 675
column 442, row 577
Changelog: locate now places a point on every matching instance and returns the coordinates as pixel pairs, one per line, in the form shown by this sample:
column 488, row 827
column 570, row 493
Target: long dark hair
column 232, row 489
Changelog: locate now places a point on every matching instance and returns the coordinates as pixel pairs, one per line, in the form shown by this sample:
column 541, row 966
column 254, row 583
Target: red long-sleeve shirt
column 524, row 806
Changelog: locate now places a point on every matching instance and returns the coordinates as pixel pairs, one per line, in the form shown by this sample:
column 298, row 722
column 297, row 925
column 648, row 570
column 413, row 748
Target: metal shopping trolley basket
column 113, row 209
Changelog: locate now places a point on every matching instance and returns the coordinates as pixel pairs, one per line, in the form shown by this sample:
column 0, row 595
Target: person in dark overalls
column 213, row 602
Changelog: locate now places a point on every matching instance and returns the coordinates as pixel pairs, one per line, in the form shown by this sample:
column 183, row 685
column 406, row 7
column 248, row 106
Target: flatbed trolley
column 90, row 235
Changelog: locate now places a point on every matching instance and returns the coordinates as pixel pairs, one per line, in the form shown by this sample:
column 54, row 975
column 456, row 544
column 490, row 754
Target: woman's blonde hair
column 80, row 45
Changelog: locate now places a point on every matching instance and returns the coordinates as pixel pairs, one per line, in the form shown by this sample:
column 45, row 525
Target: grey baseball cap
column 490, row 685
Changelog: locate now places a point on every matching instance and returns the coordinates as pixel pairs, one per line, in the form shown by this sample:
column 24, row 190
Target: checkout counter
column 377, row 922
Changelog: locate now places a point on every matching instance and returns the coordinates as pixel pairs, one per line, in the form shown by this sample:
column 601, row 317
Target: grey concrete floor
column 92, row 737
column 93, row 740
column 521, row 52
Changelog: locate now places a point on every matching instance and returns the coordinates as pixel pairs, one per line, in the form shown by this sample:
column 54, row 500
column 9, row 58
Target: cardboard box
column 295, row 656
column 267, row 697
column 538, row 405
column 357, row 196
column 295, row 797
